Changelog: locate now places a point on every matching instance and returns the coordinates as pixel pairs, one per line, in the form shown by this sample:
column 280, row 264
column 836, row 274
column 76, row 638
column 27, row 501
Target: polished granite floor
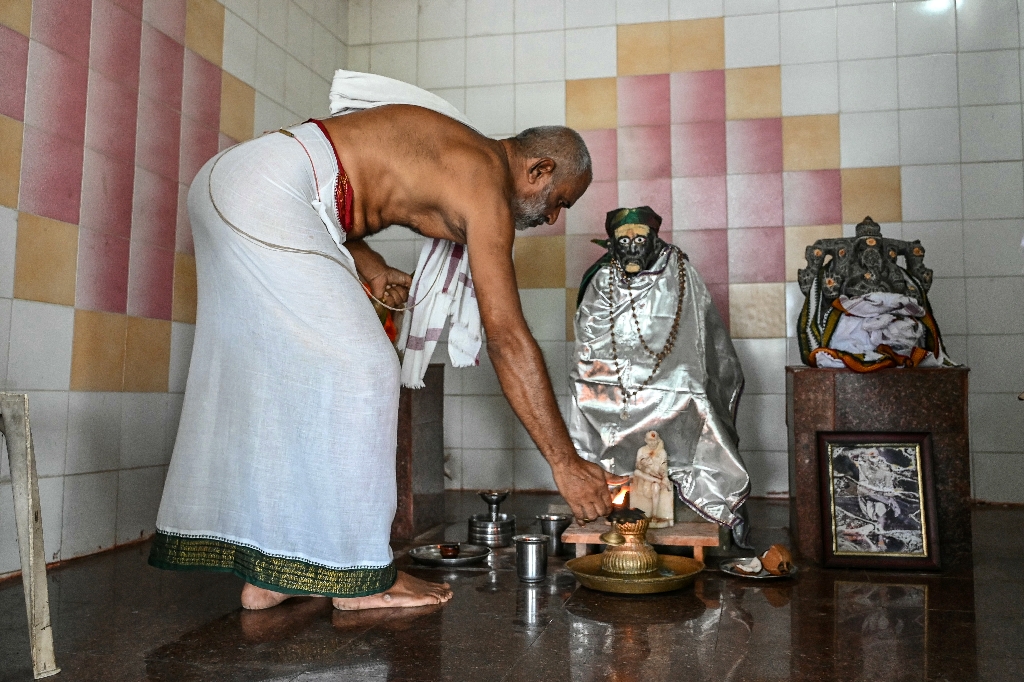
column 115, row 618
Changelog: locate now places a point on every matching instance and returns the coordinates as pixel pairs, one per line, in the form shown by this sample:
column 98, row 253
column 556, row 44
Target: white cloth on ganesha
column 442, row 288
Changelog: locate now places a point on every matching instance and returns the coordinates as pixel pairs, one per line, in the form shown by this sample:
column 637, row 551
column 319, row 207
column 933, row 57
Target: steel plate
column 430, row 555
column 729, row 568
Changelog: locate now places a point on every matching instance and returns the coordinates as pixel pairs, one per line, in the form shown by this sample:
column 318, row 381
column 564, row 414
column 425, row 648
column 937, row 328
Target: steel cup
column 553, row 525
column 531, row 557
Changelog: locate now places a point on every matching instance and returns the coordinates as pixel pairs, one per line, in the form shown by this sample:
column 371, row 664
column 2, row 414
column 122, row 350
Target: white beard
column 530, row 212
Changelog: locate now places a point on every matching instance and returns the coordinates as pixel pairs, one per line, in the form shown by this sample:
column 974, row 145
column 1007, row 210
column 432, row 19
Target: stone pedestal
column 420, row 457
column 917, row 400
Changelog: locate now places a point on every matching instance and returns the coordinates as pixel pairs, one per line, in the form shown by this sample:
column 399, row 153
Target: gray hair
column 561, row 144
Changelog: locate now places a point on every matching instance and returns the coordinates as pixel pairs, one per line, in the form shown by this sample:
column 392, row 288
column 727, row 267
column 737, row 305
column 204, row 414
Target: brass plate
column 673, row 573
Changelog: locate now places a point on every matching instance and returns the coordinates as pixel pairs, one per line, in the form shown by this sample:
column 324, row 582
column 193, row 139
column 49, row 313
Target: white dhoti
column 283, row 471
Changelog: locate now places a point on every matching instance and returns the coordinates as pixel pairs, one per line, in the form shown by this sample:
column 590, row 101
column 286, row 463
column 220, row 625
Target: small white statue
column 651, row 489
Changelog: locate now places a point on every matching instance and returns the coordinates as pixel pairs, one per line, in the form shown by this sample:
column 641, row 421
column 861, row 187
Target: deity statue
column 650, row 489
column 865, row 311
column 652, row 354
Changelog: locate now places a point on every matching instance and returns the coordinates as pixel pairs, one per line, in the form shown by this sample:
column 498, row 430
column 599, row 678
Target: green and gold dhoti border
column 280, row 574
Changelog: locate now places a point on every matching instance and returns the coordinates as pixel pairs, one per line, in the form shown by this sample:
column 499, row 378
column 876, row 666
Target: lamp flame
column 620, row 497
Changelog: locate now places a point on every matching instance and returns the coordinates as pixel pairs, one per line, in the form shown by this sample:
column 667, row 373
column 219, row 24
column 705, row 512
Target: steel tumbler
column 553, row 525
column 531, row 557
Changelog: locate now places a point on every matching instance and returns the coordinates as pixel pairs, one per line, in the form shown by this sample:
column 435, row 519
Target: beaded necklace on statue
column 659, row 357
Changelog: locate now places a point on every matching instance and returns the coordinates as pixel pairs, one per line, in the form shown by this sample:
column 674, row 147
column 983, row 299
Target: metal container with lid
column 493, row 529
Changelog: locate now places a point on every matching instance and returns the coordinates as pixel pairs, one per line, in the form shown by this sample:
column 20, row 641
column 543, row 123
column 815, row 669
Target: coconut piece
column 777, row 560
column 751, row 566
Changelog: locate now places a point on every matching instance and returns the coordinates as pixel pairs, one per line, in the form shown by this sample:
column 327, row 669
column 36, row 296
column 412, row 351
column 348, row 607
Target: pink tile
column 51, row 176
column 708, row 251
column 102, row 272
column 116, row 41
column 224, row 142
column 654, row 193
column 604, row 153
column 698, row 148
column 813, row 197
column 110, row 121
column 644, row 100
column 587, row 216
column 56, row 90
column 720, row 298
column 645, row 152
column 755, row 146
column 200, row 95
column 580, row 254
column 167, row 16
column 154, row 209
column 198, row 145
column 107, row 191
column 699, row 203
column 150, row 281
column 161, row 67
column 757, row 254
column 755, row 200
column 698, row 96
column 158, row 140
column 14, row 57
column 183, row 231
column 63, row 25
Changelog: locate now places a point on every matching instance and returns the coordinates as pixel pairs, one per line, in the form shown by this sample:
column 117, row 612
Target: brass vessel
column 628, row 551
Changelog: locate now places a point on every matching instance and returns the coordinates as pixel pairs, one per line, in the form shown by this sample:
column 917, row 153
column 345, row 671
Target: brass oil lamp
column 628, row 551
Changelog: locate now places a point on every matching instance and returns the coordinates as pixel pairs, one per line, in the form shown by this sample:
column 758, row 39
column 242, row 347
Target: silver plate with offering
column 465, row 554
column 729, row 568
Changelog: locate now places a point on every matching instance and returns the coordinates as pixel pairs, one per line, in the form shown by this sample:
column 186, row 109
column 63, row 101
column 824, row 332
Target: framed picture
column 877, row 501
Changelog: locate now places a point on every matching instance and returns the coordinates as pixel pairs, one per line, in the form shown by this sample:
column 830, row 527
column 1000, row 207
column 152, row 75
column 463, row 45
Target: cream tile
column 590, row 53
column 869, row 139
column 925, row 27
column 582, row 13
column 990, row 413
column 947, row 297
column 17, row 14
column 544, row 310
column 97, row 360
column 866, row 31
column 943, row 243
column 5, row 340
column 442, row 19
column 769, row 473
column 993, row 190
column 763, row 362
column 204, row 29
column 442, row 63
column 928, row 81
column 992, row 248
column 987, row 25
column 90, row 513
column 490, row 60
column 752, row 40
column 867, row 85
column 697, row 45
column 94, row 432
column 931, row 192
column 540, row 104
column 633, row 12
column 810, row 142
column 991, row 133
column 930, row 136
column 240, row 40
column 808, row 36
column 997, row 476
column 539, row 15
column 532, row 471
column 138, row 499
column 358, row 22
column 394, row 60
column 147, row 355
column 8, row 239
column 695, row 9
column 644, row 48
column 487, row 469
column 11, row 135
column 995, row 362
column 489, row 17
column 182, row 336
column 810, row 89
column 393, row 21
column 46, row 260
column 270, row 69
column 48, row 414
column 540, row 56
column 40, row 350
column 799, row 238
column 988, row 301
column 753, row 93
column 989, row 77
column 591, row 104
column 761, row 422
column 144, row 430
column 300, row 34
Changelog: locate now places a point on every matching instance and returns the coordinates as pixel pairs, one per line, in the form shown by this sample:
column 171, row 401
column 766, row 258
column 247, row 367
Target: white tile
column 989, row 299
column 442, row 63
column 8, row 241
column 956, row 347
column 794, row 304
column 5, row 339
column 452, row 421
column 394, row 60
column 540, row 104
column 273, row 20
column 144, row 430
column 487, row 469
column 810, row 89
column 539, row 15
column 869, row 139
column 993, row 190
column 94, row 432
column 998, row 477
column 943, row 244
column 296, row 86
column 928, row 81
column 271, row 67
column 590, row 53
column 995, row 362
column 558, row 371
column 532, row 471
column 491, row 108
column 453, row 469
column 174, row 404
column 246, row 9
column 40, row 353
column 442, row 19
column 239, row 48
column 868, row 85
column 358, row 22
column 319, row 105
column 808, row 36
column 761, row 422
column 340, row 26
column 695, row 9
column 751, row 40
column 300, row 34
column 791, row 5
column 737, row 7
column 990, row 414
column 393, row 21
column 544, row 310
column 948, row 300
column 930, row 136
column 90, row 513
column 358, row 59
column 580, row 13
column 540, row 56
column 931, row 192
column 764, row 365
column 51, row 508
column 987, row 25
column 991, row 133
column 489, row 60
column 454, row 96
column 924, row 27
column 769, row 472
column 867, row 31
column 989, row 77
column 489, row 17
column 640, row 11
column 480, row 380
column 270, row 115
column 138, row 499
column 993, row 248
column 48, row 417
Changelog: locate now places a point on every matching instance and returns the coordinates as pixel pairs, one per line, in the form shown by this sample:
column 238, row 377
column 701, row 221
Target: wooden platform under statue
column 697, row 535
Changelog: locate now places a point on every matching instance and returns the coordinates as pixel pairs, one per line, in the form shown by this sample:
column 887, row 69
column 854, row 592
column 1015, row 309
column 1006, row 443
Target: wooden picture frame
column 877, row 501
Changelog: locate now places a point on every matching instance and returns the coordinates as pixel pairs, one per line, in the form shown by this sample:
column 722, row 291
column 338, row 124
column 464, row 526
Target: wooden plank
column 701, row 534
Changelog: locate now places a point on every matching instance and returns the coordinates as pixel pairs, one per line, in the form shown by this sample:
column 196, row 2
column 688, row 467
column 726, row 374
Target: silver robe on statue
column 692, row 400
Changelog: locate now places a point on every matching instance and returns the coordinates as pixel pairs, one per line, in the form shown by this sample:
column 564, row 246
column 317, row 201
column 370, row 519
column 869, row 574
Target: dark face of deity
column 635, row 247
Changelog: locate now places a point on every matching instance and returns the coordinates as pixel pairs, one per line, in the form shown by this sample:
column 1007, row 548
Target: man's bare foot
column 256, row 598
column 406, row 592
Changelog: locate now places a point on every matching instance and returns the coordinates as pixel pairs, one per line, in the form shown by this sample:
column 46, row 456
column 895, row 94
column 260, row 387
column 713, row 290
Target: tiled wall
column 754, row 127
column 108, row 108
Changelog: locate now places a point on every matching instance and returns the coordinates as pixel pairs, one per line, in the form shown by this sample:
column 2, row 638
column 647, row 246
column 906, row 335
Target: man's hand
column 584, row 485
column 391, row 286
